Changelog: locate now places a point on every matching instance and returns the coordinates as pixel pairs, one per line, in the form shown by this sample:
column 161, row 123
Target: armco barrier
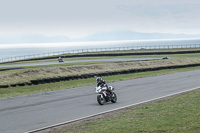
column 91, row 75
column 97, row 50
column 108, row 54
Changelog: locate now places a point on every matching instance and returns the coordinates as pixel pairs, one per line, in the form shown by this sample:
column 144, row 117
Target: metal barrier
column 97, row 50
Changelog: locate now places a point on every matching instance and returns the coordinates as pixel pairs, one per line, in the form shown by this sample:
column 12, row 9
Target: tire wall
column 91, row 75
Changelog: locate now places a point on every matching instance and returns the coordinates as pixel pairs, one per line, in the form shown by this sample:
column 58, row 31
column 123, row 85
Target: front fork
column 101, row 94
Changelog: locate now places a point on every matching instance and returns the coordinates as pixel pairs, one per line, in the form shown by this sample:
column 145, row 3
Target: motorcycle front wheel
column 101, row 100
column 114, row 98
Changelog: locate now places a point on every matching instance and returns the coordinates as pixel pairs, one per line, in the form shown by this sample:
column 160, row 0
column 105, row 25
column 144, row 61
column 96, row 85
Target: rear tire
column 114, row 98
column 101, row 100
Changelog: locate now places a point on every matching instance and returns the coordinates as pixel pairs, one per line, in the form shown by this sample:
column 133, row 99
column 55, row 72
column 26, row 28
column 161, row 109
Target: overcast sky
column 80, row 18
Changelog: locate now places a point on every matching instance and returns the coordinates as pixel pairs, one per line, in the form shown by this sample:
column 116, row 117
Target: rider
column 101, row 82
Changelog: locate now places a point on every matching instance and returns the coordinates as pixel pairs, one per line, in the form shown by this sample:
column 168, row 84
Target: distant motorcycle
column 60, row 60
column 106, row 95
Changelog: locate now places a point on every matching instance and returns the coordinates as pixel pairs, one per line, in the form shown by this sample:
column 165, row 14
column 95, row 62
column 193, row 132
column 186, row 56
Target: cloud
column 165, row 17
column 77, row 19
column 145, row 10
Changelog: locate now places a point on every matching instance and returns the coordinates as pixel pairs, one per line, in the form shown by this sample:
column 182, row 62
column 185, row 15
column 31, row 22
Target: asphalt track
column 32, row 112
column 78, row 61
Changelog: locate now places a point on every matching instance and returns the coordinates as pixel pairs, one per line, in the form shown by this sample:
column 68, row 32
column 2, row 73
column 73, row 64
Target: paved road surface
column 76, row 61
column 26, row 113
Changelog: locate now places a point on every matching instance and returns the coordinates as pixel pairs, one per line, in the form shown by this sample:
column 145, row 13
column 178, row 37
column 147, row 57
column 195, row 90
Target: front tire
column 114, row 98
column 101, row 100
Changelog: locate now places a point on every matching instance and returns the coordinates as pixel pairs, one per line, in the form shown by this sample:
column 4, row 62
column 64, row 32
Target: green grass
column 179, row 114
column 25, row 90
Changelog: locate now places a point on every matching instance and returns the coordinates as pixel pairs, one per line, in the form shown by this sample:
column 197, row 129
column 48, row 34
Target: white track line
column 62, row 123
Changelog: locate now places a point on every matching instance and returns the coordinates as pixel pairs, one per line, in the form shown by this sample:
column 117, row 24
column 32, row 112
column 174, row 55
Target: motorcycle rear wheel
column 101, row 100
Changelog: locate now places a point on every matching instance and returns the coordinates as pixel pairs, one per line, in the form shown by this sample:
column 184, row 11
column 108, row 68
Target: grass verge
column 40, row 72
column 179, row 114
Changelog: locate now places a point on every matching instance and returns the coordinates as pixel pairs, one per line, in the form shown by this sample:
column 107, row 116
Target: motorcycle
column 106, row 95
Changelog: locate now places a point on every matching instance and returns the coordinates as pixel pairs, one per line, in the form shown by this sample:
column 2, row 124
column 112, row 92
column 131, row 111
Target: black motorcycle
column 105, row 95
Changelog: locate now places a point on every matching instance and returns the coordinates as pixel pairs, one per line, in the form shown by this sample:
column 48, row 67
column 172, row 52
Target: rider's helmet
column 98, row 79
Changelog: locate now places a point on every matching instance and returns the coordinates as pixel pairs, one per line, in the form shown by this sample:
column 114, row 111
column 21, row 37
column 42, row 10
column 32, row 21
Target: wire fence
column 15, row 58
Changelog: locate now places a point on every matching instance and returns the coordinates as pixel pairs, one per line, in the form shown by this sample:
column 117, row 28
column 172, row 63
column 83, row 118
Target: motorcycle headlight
column 98, row 90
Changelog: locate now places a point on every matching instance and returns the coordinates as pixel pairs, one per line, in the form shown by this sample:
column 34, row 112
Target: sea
column 14, row 50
